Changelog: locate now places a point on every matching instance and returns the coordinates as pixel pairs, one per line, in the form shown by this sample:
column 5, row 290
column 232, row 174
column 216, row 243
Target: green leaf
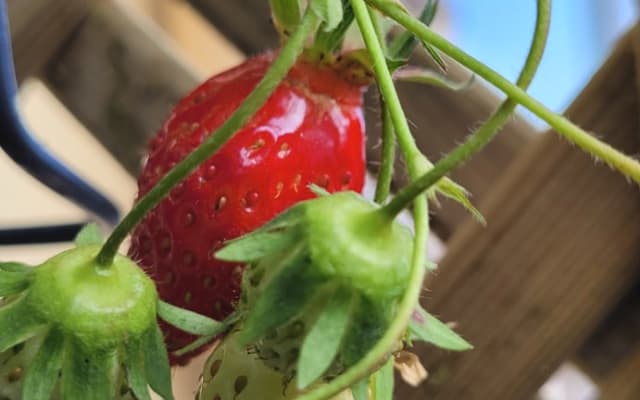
column 42, row 374
column 360, row 390
column 18, row 323
column 322, row 343
column 89, row 375
column 285, row 295
column 423, row 326
column 255, row 246
column 286, row 14
column 134, row 366
column 425, row 76
column 329, row 11
column 89, row 235
column 12, row 282
column 384, row 382
column 156, row 363
column 189, row 321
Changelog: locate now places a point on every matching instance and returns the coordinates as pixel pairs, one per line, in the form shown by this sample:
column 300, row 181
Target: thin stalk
column 417, row 273
column 276, row 73
column 623, row 163
column 385, row 175
column 488, row 130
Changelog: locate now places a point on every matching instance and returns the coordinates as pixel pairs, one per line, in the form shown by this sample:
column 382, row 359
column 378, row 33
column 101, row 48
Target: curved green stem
column 625, row 164
column 488, row 130
column 276, row 73
column 385, row 175
column 413, row 157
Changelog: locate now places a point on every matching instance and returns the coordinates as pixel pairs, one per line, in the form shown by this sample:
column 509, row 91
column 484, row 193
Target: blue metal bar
column 20, row 145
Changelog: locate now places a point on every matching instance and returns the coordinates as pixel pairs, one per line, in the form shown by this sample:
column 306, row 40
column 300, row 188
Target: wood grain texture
column 247, row 23
column 120, row 77
column 39, row 28
column 560, row 250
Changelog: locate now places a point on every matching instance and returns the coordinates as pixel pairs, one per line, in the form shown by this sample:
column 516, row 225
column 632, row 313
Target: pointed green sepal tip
column 427, row 328
column 321, row 345
column 90, row 234
column 330, row 13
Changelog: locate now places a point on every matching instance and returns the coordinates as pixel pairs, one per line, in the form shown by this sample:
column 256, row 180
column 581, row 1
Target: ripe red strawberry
column 309, row 131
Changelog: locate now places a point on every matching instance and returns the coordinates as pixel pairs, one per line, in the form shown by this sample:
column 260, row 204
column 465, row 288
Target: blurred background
column 65, row 90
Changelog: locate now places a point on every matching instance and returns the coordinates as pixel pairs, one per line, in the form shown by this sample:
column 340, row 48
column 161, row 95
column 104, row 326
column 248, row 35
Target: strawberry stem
column 487, row 131
column 623, row 163
column 410, row 299
column 385, row 174
column 276, row 73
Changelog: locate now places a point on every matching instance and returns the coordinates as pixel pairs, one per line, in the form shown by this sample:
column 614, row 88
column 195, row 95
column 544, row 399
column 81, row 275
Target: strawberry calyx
column 322, row 285
column 71, row 327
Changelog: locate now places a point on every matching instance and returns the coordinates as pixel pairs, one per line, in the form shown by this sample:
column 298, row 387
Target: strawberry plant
column 242, row 176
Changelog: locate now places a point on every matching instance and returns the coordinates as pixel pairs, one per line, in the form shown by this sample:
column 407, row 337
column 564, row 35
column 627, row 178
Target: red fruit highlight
column 311, row 130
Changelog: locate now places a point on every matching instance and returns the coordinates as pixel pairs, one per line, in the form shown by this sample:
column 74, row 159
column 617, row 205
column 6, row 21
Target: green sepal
column 90, row 234
column 450, row 189
column 425, row 327
column 369, row 322
column 18, row 323
column 286, row 15
column 189, row 321
column 257, row 245
column 404, row 44
column 384, row 382
column 89, row 375
column 428, row 77
column 42, row 373
column 360, row 389
column 329, row 12
column 134, row 365
column 435, row 56
column 156, row 363
column 14, row 278
column 193, row 346
column 318, row 190
column 322, row 343
column 284, row 296
column 333, row 40
column 13, row 266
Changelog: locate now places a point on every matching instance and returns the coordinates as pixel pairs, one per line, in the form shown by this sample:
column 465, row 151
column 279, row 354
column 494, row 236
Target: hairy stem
column 385, row 175
column 623, row 163
column 488, row 130
column 276, row 73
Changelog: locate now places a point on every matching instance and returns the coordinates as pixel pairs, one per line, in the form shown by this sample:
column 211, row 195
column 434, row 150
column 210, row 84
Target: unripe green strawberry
column 73, row 329
column 323, row 283
column 233, row 372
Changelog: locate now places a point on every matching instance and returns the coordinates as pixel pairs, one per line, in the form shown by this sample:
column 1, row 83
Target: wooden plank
column 120, row 76
column 39, row 28
column 247, row 23
column 624, row 382
column 560, row 250
column 611, row 356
